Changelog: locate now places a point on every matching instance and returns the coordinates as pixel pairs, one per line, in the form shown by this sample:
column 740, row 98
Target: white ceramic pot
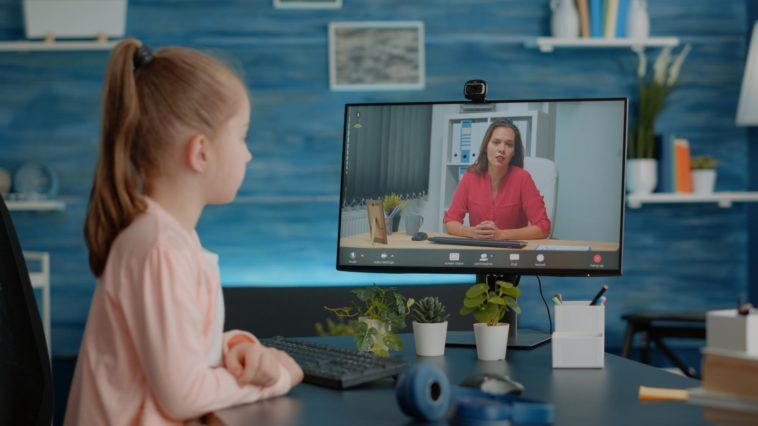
column 381, row 329
column 564, row 22
column 430, row 338
column 641, row 175
column 638, row 20
column 703, row 181
column 491, row 341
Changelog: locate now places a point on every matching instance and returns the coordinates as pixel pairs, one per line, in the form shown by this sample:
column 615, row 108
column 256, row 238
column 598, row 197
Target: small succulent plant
column 429, row 310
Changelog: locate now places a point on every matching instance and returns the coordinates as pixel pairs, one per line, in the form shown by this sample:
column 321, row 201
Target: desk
column 605, row 396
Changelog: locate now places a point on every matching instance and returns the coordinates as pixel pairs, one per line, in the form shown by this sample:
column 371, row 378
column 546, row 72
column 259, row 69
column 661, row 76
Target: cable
column 547, row 308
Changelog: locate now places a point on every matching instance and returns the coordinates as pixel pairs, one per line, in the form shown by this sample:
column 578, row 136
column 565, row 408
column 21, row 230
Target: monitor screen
column 515, row 187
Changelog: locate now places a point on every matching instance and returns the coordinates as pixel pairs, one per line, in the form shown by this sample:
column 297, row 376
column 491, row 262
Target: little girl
column 154, row 351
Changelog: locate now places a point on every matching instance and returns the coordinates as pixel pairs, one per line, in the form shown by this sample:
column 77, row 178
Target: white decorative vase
column 564, row 22
column 381, row 330
column 430, row 338
column 703, row 181
column 638, row 21
column 491, row 341
column 641, row 175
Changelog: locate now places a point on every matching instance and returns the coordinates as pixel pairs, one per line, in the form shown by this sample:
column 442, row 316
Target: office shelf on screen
column 36, row 205
column 723, row 199
column 548, row 44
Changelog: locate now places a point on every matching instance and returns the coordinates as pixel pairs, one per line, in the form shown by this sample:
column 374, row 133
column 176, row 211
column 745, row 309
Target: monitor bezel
column 479, row 270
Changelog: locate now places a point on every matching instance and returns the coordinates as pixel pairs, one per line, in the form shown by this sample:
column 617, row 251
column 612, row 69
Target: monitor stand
column 517, row 339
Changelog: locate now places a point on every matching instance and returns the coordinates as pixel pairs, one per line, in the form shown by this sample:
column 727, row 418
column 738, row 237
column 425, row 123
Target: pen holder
column 726, row 329
column 579, row 337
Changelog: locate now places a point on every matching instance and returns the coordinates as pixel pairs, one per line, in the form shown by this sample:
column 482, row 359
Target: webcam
column 475, row 90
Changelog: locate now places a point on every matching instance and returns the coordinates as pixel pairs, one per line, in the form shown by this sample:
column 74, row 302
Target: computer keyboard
column 336, row 367
column 474, row 242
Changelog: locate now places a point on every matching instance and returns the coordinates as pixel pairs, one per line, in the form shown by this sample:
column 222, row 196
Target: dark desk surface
column 605, row 396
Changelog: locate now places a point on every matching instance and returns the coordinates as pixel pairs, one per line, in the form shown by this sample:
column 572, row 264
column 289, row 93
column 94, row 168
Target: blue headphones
column 424, row 393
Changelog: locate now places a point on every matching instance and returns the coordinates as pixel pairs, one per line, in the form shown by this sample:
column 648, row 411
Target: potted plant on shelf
column 429, row 326
column 703, row 174
column 381, row 314
column 489, row 307
column 642, row 166
column 393, row 206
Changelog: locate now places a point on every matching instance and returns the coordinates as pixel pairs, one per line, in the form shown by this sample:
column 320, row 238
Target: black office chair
column 26, row 384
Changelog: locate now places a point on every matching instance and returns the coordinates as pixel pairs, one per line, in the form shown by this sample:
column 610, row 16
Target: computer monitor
column 559, row 203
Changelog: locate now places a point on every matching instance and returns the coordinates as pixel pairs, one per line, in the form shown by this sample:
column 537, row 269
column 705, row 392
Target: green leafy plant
column 385, row 305
column 341, row 327
column 429, row 310
column 490, row 306
column 653, row 91
column 391, row 201
column 703, row 162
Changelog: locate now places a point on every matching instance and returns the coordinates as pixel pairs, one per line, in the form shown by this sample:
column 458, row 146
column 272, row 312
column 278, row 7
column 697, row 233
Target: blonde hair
column 147, row 105
column 481, row 163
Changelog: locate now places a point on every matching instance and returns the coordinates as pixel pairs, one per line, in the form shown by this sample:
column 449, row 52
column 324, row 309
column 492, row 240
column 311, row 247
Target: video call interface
column 416, row 175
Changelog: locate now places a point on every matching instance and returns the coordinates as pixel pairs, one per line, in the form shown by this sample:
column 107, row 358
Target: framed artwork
column 377, row 227
column 384, row 55
column 307, row 4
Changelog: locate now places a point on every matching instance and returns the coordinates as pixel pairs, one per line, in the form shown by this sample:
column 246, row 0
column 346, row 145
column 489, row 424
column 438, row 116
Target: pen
column 599, row 294
column 556, row 300
column 602, row 300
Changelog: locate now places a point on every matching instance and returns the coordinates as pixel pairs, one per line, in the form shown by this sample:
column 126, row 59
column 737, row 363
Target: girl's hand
column 253, row 363
column 485, row 230
column 296, row 373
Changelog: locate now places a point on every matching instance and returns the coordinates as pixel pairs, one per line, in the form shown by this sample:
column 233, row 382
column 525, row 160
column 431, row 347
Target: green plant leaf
column 473, row 302
column 487, row 314
column 497, row 300
column 466, row 310
column 477, row 290
column 393, row 342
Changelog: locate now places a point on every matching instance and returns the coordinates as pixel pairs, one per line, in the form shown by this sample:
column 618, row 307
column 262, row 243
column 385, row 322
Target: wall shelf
column 43, row 45
column 35, row 205
column 724, row 199
column 548, row 44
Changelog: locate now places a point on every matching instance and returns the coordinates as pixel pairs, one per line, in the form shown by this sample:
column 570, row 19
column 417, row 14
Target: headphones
column 424, row 393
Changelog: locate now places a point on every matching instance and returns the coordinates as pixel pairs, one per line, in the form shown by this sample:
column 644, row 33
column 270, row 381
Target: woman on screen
column 500, row 197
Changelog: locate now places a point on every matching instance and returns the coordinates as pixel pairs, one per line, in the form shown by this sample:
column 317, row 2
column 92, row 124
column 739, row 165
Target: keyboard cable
column 547, row 308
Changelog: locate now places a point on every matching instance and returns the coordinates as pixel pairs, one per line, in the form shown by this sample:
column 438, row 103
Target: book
column 730, row 372
column 596, row 18
column 623, row 16
column 611, row 15
column 584, row 17
column 683, row 174
column 663, row 152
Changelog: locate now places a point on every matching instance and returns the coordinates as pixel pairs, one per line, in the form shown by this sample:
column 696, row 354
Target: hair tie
column 142, row 57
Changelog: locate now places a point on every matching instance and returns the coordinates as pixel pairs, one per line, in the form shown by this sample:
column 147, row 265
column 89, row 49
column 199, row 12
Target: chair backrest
column 26, row 385
column 545, row 176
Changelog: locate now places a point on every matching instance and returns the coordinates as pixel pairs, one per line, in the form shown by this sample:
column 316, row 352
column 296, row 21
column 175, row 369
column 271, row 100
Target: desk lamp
column 747, row 109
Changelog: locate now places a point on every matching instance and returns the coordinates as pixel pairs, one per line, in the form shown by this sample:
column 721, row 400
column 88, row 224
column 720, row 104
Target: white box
column 726, row 329
column 579, row 337
column 74, row 18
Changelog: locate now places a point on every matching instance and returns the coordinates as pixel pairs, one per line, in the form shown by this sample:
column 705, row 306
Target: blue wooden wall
column 285, row 220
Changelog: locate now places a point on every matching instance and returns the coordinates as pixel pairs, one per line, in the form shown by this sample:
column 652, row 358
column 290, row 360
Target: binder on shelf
column 664, row 154
column 623, row 15
column 465, row 141
column 683, row 182
column 611, row 15
column 584, row 18
column 596, row 18
column 455, row 149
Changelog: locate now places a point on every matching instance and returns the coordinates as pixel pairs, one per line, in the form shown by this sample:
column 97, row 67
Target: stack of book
column 674, row 172
column 603, row 18
column 729, row 393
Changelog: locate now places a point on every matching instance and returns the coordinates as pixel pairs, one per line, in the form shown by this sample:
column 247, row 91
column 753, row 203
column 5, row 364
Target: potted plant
column 642, row 167
column 393, row 206
column 489, row 307
column 429, row 326
column 381, row 314
column 703, row 174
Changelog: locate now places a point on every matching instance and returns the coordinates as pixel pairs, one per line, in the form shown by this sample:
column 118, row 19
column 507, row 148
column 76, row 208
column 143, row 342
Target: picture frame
column 376, row 55
column 377, row 227
column 307, row 4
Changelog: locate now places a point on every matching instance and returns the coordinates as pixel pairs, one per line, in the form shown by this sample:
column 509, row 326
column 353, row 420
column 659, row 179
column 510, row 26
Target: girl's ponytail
column 115, row 199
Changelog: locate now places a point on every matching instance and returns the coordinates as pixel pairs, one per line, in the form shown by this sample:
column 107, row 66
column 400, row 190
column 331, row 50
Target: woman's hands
column 255, row 364
column 485, row 230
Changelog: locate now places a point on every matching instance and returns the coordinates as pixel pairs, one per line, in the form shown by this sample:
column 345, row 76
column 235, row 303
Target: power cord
column 547, row 308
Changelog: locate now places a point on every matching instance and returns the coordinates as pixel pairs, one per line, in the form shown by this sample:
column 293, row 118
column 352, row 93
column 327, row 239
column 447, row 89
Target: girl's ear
column 196, row 153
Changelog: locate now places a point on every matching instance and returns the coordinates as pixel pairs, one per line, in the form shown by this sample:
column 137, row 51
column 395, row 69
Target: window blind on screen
column 388, row 152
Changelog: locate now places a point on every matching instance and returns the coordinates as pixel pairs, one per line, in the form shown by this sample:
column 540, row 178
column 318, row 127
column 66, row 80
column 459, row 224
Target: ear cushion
column 423, row 391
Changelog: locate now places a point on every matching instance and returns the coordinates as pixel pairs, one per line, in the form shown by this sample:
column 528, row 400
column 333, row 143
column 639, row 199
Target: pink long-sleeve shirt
column 518, row 201
column 153, row 346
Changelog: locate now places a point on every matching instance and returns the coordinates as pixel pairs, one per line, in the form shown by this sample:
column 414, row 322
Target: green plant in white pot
column 381, row 314
column 703, row 174
column 429, row 326
column 489, row 307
